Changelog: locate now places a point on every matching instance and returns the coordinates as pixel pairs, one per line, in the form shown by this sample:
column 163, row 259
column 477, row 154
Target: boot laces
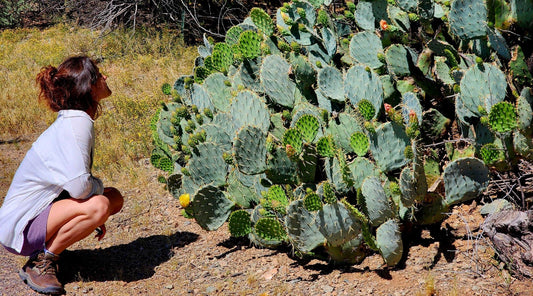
column 45, row 266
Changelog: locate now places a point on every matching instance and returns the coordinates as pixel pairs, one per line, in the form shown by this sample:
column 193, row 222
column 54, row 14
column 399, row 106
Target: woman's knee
column 98, row 208
column 115, row 198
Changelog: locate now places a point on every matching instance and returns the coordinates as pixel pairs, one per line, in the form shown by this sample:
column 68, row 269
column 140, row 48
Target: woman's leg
column 71, row 220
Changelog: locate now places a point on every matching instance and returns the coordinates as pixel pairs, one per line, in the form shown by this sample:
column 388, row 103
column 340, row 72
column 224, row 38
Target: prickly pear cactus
column 326, row 131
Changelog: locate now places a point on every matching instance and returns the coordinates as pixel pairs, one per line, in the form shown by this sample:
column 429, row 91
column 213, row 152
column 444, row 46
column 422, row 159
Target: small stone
column 210, row 289
column 170, row 287
column 327, row 289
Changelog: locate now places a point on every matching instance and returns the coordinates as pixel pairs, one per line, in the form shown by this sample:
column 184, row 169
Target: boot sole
column 51, row 291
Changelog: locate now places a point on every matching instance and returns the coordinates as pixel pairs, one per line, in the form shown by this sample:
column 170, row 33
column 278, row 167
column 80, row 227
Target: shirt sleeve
column 80, row 183
column 84, row 186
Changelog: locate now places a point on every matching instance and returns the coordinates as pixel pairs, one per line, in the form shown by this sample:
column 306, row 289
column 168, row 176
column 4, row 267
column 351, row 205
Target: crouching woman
column 54, row 200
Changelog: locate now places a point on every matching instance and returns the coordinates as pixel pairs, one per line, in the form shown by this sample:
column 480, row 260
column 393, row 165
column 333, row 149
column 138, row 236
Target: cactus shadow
column 129, row 262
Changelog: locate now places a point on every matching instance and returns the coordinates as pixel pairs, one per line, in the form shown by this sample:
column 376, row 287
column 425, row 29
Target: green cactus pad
column 276, row 199
column 280, row 169
column 468, row 19
column 524, row 107
column 491, row 153
column 222, row 57
column 200, row 97
column 262, row 21
column 244, row 194
column 294, row 138
column 482, row 85
column 270, row 229
column 366, row 109
column 331, row 83
column 502, row 117
column 359, row 143
column 360, row 84
column 364, row 47
column 464, row 179
column 239, row 223
column 387, row 145
column 250, row 150
column 364, row 17
column 208, row 166
column 376, row 201
column 326, row 147
column 248, row 109
column 329, row 193
column 232, row 35
column 308, row 126
column 301, row 228
column 389, row 241
column 361, row 168
column 219, row 92
column 250, row 44
column 275, row 79
column 398, row 58
column 312, row 202
column 411, row 103
column 211, row 207
column 337, row 224
column 341, row 130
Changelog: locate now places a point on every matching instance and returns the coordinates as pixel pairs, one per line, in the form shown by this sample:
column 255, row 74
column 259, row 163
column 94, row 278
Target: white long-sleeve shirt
column 60, row 159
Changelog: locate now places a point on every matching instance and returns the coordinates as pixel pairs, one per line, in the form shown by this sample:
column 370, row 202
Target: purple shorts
column 34, row 234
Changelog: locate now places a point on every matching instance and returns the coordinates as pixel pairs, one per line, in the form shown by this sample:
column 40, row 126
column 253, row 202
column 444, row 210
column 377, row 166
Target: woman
column 53, row 200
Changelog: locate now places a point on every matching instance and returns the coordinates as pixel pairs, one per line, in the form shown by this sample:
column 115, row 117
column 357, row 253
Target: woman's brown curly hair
column 69, row 85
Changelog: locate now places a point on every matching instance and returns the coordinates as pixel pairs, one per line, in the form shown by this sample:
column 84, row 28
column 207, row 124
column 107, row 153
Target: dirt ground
column 150, row 249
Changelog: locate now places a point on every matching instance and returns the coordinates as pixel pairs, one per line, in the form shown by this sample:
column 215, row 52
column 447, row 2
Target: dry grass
column 136, row 64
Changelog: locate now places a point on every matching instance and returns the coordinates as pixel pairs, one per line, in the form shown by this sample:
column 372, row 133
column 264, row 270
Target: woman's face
column 100, row 89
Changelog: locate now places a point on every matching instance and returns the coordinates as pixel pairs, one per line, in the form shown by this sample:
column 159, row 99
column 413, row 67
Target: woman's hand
column 101, row 231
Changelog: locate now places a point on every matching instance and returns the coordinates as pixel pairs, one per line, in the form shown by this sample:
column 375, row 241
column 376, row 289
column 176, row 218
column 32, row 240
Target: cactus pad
column 364, row 47
column 326, row 147
column 376, row 201
column 239, row 223
column 250, row 44
column 359, row 143
column 301, row 227
column 211, row 207
column 250, row 150
column 312, row 202
column 337, row 224
column 262, row 21
column 468, row 18
column 308, row 126
column 270, row 229
column 464, row 179
column 502, row 117
column 389, row 241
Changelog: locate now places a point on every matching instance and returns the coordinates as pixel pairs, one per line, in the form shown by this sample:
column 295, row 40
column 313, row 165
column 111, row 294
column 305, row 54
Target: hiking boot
column 40, row 274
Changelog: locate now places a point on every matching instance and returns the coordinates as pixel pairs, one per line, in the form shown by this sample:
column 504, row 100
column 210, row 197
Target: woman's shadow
column 127, row 262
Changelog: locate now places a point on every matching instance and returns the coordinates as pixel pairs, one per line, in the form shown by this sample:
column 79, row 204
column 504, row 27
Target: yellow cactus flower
column 185, row 200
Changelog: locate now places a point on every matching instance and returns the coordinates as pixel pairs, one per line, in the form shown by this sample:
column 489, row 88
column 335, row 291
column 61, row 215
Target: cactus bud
column 481, row 110
column 381, row 57
column 295, row 47
column 182, row 112
column 227, row 83
column 302, row 27
column 413, row 17
column 383, row 25
column 301, row 12
column 199, row 118
column 348, row 14
column 176, row 97
column 186, row 149
column 456, row 88
column 408, row 152
column 479, row 60
column 318, row 64
column 185, row 172
column 323, row 18
column 369, row 127
column 286, row 115
column 291, row 152
column 194, row 109
column 350, row 5
column 228, row 158
column 208, row 113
